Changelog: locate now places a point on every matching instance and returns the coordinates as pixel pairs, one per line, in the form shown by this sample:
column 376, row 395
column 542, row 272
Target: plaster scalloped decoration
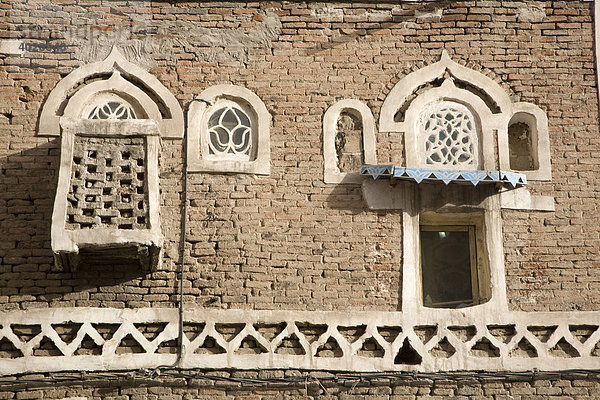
column 439, row 338
column 331, row 170
column 67, row 99
column 489, row 102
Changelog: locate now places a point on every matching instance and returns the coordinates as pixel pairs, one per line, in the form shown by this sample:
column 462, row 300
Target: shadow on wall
column 27, row 189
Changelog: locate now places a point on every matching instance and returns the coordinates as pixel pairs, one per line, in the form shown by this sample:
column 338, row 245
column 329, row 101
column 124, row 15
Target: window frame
column 474, row 222
column 198, row 157
column 473, row 265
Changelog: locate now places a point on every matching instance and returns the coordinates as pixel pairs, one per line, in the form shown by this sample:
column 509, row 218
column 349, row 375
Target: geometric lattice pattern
column 111, row 339
column 449, row 136
column 107, row 187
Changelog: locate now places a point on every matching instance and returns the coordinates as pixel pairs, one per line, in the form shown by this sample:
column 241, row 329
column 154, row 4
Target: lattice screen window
column 108, row 184
column 107, row 197
column 110, row 115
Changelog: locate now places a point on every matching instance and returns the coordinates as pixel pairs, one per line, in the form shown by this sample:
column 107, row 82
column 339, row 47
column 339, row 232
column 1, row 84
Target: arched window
column 228, row 132
column 423, row 94
column 458, row 126
column 448, row 136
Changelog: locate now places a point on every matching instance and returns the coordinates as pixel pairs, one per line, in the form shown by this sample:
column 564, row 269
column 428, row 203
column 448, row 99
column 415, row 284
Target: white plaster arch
column 486, row 122
column 198, row 159
column 115, row 84
column 407, row 86
column 170, row 126
column 494, row 122
column 331, row 171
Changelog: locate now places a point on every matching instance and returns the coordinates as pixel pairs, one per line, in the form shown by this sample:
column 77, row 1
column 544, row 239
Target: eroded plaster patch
column 143, row 43
column 435, row 13
column 533, row 11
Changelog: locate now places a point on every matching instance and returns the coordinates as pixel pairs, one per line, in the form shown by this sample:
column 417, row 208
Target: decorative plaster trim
column 493, row 123
column 197, row 148
column 142, row 103
column 404, row 89
column 419, row 175
column 331, row 171
column 444, row 326
column 49, row 125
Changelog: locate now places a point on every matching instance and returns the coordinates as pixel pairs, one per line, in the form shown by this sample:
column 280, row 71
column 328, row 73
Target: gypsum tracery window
column 448, row 136
column 110, row 106
column 229, row 132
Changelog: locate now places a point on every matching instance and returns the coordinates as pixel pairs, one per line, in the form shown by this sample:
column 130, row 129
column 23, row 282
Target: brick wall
column 289, row 241
column 271, row 385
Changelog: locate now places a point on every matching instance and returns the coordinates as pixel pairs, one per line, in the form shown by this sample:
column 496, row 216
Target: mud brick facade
column 300, row 275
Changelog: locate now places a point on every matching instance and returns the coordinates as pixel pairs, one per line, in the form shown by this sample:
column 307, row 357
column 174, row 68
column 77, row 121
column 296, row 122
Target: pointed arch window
column 459, row 126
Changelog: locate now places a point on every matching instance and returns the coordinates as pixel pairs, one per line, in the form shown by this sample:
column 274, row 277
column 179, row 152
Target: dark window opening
column 449, row 273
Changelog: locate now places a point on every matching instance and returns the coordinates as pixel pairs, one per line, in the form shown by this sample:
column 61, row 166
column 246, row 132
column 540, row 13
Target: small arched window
column 228, row 132
column 348, row 141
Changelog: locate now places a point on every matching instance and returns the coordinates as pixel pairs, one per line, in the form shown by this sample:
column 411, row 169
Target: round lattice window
column 448, row 137
column 229, row 132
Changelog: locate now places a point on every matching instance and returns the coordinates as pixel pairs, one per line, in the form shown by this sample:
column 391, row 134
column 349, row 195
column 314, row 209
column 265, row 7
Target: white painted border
column 462, row 360
column 490, row 122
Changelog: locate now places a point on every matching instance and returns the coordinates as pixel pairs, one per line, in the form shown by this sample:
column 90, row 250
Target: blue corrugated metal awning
column 447, row 176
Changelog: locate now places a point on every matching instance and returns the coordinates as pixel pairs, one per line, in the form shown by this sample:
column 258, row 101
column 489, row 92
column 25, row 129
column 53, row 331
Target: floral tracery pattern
column 112, row 110
column 229, row 131
column 448, row 136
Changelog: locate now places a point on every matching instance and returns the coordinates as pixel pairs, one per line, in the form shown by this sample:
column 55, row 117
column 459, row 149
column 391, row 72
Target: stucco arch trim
column 406, row 88
column 170, row 120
